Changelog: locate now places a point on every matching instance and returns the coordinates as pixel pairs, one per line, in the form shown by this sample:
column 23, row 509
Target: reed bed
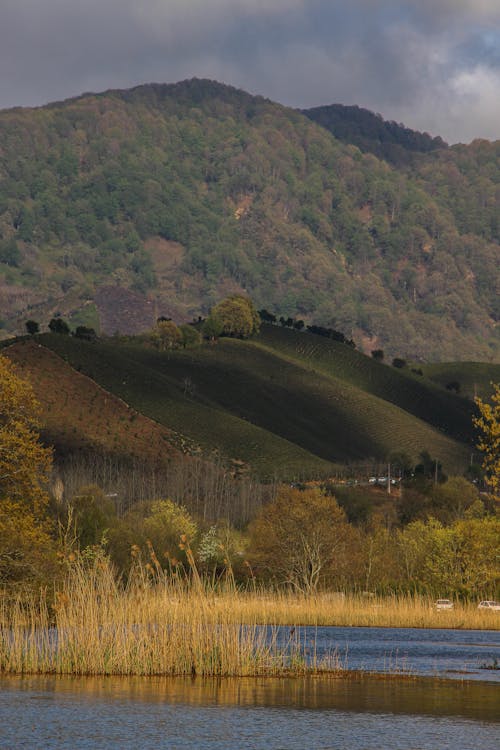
column 153, row 626
column 169, row 625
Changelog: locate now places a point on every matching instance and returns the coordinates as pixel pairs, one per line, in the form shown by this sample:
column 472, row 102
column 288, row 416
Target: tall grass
column 156, row 625
column 164, row 624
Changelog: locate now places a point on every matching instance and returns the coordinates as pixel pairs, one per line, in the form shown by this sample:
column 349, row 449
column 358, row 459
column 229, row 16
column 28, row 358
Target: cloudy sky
column 432, row 64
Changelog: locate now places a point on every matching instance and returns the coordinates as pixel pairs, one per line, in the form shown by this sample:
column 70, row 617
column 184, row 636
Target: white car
column 444, row 604
column 489, row 604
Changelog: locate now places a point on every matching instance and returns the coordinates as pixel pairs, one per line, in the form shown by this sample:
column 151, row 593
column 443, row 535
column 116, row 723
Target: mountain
column 118, row 207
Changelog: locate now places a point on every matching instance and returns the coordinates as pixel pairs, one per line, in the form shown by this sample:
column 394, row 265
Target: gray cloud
column 433, row 64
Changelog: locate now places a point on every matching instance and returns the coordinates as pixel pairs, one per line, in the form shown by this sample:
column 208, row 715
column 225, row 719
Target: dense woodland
column 185, row 193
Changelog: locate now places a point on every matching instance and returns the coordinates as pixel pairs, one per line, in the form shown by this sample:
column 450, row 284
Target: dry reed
column 167, row 624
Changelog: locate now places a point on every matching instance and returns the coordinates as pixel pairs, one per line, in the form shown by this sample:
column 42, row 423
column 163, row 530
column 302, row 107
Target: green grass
column 415, row 394
column 260, row 406
column 141, row 378
column 475, row 378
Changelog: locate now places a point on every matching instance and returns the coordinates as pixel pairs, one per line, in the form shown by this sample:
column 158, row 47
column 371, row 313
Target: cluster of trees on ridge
column 303, row 538
column 234, row 316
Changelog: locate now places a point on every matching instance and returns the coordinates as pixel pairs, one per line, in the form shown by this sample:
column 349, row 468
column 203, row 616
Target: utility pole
column 389, row 478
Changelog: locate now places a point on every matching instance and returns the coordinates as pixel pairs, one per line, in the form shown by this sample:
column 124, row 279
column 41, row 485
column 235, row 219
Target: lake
column 362, row 712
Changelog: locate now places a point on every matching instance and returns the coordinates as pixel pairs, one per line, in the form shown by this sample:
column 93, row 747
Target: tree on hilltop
column 237, row 316
column 32, row 327
column 166, row 335
column 58, row 325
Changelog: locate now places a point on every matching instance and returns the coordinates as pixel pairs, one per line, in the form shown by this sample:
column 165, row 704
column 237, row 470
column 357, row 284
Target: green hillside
column 278, row 415
column 154, row 390
column 406, row 389
column 119, row 207
column 473, row 378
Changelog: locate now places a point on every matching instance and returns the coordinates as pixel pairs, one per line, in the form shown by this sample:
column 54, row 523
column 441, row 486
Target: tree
column 399, row 363
column 24, row 475
column 267, row 316
column 191, row 337
column 451, row 559
column 451, row 500
column 169, row 528
column 298, row 539
column 165, row 335
column 58, row 325
column 488, row 424
column 237, row 316
column 32, row 327
column 93, row 514
column 212, row 328
column 86, row 333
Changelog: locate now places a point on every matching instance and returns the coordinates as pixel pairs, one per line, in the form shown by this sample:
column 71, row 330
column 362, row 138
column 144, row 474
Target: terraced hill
column 282, row 409
column 406, row 388
column 473, row 378
column 140, row 379
column 77, row 414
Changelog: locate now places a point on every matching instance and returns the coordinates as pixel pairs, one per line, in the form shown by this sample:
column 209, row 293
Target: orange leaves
column 489, row 444
column 24, row 463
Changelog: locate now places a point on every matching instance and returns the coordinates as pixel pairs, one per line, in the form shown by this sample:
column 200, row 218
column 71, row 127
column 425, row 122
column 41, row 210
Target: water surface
column 272, row 713
column 362, row 711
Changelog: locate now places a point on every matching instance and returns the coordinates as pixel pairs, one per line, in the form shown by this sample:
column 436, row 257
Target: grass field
column 474, row 378
column 411, row 392
column 145, row 384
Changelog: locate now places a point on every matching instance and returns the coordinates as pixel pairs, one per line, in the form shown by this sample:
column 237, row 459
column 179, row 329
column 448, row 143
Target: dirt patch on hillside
column 77, row 414
column 124, row 311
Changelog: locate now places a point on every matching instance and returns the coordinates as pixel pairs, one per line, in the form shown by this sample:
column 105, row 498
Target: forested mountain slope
column 371, row 133
column 119, row 207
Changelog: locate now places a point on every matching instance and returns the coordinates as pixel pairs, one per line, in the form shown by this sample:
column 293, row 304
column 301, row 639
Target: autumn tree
column 24, row 474
column 488, row 424
column 169, row 528
column 299, row 539
column 461, row 558
column 166, row 335
column 236, row 316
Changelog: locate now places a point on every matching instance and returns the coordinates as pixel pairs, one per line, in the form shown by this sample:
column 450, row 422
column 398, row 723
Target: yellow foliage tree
column 165, row 335
column 236, row 316
column 300, row 539
column 24, row 475
column 488, row 423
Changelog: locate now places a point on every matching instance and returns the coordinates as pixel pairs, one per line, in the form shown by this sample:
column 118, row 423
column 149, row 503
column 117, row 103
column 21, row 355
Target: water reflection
column 357, row 693
column 355, row 713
